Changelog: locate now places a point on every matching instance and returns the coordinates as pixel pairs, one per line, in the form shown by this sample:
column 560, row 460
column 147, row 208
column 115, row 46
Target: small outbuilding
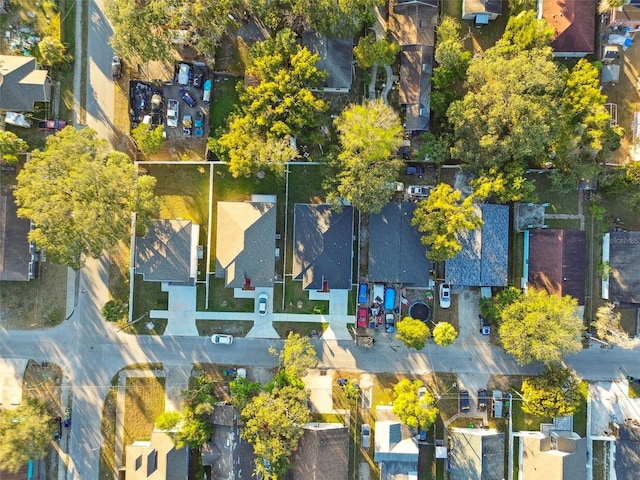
column 621, row 255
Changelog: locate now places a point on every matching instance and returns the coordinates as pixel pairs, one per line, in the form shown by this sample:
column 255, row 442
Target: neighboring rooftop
column 481, row 10
column 483, row 260
column 168, row 252
column 416, row 63
column 626, row 16
column 14, row 245
column 622, row 252
column 627, row 464
column 574, row 22
column 157, row 459
column 336, row 58
column 246, row 243
column 322, row 246
column 396, row 254
column 557, row 262
column 227, row 453
column 476, row 454
column 322, row 454
column 396, row 450
column 413, row 22
column 22, row 84
column 560, row 456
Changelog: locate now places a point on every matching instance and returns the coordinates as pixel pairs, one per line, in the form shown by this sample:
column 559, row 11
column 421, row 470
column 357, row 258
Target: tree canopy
column 275, row 105
column 443, row 217
column 539, row 327
column 555, row 393
column 25, row 434
column 609, row 328
column 298, row 355
column 444, row 334
column 10, row 146
column 149, row 140
column 413, row 411
column 412, row 332
column 80, row 196
column 370, row 51
column 450, row 52
column 195, row 427
column 273, row 424
column 368, row 135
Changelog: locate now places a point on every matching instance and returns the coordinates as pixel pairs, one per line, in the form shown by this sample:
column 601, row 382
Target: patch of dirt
column 43, row 381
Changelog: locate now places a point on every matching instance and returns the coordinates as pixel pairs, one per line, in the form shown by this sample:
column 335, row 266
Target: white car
column 221, row 339
column 263, row 298
column 445, row 295
column 419, row 190
column 183, row 74
column 365, row 431
column 173, row 113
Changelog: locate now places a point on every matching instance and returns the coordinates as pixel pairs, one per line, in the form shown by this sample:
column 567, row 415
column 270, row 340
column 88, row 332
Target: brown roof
column 322, row 454
column 574, row 22
column 557, row 262
column 413, row 23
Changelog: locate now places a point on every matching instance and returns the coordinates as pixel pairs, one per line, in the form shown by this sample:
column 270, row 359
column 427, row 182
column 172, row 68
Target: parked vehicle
column 198, row 121
column 464, row 401
column 419, row 190
column 187, row 125
column 422, row 435
column 365, row 432
column 363, row 317
column 197, row 79
column 116, row 67
column 390, row 323
column 378, row 292
column 173, row 113
column 52, row 125
column 445, row 295
column 188, row 99
column 496, row 404
column 183, row 74
column 206, row 95
column 414, row 170
column 389, row 298
column 482, row 399
column 221, row 339
column 396, row 186
column 263, row 298
column 362, row 293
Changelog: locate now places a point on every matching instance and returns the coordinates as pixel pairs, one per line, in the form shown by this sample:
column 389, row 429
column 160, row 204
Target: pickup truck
column 464, row 401
column 173, row 113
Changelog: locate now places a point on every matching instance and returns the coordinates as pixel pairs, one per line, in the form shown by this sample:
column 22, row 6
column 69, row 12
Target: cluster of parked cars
column 380, row 311
column 497, row 401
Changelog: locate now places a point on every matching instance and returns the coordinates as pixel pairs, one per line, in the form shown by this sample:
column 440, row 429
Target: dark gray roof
column 628, row 451
column 482, row 6
column 322, row 246
column 476, row 454
column 165, row 254
column 624, row 258
column 416, row 64
column 246, row 243
column 14, row 246
column 483, row 260
column 396, row 254
column 557, row 262
column 394, row 443
column 336, row 58
column 322, row 454
column 22, row 84
column 227, row 453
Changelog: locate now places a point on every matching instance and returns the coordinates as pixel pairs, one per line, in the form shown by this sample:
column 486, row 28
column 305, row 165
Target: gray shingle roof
column 415, row 86
column 483, row 260
column 476, row 454
column 396, row 254
column 628, row 451
column 322, row 454
column 336, row 58
column 165, row 253
column 245, row 243
column 624, row 258
column 22, row 84
column 14, row 246
column 322, row 246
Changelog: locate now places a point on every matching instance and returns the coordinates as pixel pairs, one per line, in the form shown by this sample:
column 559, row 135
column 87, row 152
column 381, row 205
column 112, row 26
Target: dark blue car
column 188, row 99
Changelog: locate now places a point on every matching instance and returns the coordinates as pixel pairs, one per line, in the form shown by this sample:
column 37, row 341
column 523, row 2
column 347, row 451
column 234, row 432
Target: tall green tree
column 149, row 140
column 413, row 333
column 368, row 135
column 526, row 31
column 25, row 434
column 273, row 424
column 298, row 355
column 10, row 146
column 370, row 51
column 51, row 52
column 555, row 393
column 413, row 410
column 444, row 334
column 443, row 217
column 80, row 196
column 195, row 428
column 450, row 52
column 540, row 327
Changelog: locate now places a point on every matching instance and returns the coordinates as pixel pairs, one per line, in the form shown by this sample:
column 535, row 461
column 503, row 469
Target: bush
column 115, row 310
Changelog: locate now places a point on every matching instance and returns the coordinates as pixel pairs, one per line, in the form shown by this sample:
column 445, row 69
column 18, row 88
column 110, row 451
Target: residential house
column 483, row 260
column 626, row 16
column 412, row 24
column 227, row 454
column 396, row 254
column 627, row 463
column 476, row 454
column 322, row 454
column 22, row 84
column 556, row 261
column 574, row 22
column 16, row 263
column 246, row 243
column 323, row 247
column 336, row 58
column 621, row 256
column 396, row 450
column 157, row 459
column 559, row 455
column 168, row 252
column 482, row 11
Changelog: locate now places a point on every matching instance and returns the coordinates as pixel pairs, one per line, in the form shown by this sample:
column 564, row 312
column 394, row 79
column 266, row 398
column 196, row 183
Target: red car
column 363, row 317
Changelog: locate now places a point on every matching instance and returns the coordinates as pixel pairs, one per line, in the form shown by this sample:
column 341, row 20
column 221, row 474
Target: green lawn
column 148, row 296
column 296, row 299
column 224, row 98
column 221, row 299
column 304, row 329
column 207, row 328
column 580, row 417
column 143, row 403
